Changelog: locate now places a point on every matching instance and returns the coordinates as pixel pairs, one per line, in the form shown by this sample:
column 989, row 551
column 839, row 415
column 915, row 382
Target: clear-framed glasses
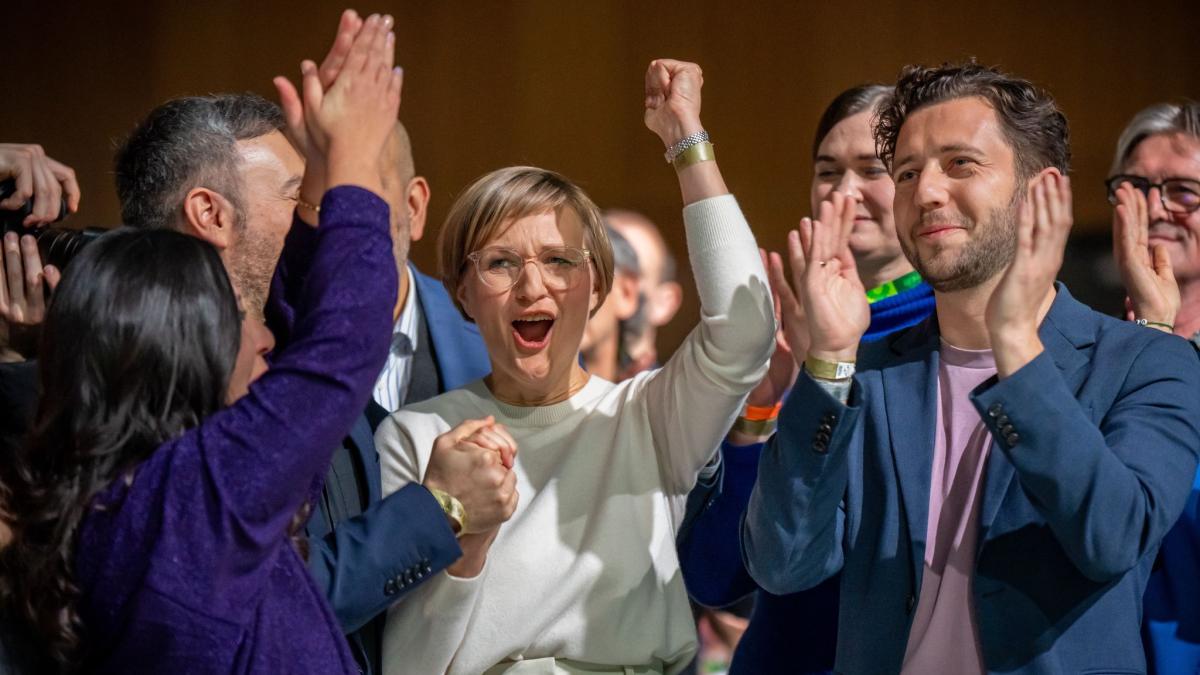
column 501, row 268
column 1178, row 195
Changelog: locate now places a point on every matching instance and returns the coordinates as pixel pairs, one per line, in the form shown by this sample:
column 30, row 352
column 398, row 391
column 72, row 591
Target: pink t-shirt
column 945, row 635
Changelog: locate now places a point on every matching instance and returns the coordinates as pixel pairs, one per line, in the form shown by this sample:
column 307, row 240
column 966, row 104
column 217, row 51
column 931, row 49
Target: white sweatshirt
column 586, row 568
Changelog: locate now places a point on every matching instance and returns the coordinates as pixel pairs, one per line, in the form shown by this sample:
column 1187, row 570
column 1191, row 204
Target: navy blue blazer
column 1096, row 443
column 368, row 562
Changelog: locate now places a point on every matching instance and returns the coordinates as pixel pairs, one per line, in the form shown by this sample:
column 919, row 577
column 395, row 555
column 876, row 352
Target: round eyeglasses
column 561, row 267
column 1178, row 195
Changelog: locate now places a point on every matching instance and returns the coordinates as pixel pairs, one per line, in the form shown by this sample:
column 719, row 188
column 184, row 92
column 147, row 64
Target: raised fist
column 673, row 99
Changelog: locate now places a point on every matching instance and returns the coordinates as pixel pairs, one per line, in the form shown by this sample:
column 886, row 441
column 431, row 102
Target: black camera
column 58, row 245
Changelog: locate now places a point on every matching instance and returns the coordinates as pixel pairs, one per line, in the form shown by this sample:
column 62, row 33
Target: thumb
column 52, row 276
column 314, row 93
column 289, row 100
column 1162, row 263
column 468, row 427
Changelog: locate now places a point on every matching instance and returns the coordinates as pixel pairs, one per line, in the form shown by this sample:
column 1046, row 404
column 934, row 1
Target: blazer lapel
column 364, row 443
column 1067, row 331
column 910, row 400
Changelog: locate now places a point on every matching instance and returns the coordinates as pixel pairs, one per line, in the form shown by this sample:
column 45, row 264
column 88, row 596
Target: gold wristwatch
column 454, row 510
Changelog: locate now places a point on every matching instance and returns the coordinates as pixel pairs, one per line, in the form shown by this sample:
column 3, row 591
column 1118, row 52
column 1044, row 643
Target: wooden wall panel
column 558, row 84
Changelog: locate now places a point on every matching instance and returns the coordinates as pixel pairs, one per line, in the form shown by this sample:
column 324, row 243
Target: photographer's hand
column 22, row 294
column 40, row 178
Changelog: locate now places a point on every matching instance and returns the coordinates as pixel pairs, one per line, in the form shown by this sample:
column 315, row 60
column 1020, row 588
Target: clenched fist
column 673, row 99
column 473, row 463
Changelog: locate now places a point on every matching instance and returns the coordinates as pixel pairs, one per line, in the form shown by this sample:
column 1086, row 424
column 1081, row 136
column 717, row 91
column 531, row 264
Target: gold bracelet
column 453, row 509
column 315, row 208
column 700, row 152
column 756, row 428
column 828, row 370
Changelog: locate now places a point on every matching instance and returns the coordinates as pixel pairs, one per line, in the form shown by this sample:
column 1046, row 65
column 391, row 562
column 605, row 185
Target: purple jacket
column 189, row 569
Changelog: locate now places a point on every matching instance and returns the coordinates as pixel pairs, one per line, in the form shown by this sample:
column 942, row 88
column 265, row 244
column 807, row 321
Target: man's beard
column 991, row 248
column 252, row 263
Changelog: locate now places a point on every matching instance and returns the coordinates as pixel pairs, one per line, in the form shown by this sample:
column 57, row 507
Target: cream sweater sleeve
column 695, row 397
column 426, row 628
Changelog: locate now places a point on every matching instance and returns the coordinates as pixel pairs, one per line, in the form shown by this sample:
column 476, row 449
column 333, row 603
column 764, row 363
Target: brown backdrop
column 558, row 84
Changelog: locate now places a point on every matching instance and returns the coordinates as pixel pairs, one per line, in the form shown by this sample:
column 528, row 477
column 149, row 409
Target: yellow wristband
column 829, row 370
column 700, row 152
column 756, row 428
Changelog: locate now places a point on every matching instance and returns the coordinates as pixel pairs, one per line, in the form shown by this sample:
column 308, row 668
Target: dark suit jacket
column 1096, row 444
column 368, row 562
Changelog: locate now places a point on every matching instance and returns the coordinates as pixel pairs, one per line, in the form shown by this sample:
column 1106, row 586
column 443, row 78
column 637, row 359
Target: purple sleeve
column 299, row 248
column 230, row 487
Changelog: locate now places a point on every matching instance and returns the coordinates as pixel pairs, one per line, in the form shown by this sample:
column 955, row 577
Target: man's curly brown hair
column 1032, row 124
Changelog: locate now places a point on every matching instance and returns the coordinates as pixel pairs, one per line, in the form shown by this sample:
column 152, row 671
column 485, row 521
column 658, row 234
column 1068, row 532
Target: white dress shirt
column 392, row 386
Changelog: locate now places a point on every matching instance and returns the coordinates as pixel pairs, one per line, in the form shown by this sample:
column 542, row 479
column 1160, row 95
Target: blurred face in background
column 846, row 162
column 1158, row 158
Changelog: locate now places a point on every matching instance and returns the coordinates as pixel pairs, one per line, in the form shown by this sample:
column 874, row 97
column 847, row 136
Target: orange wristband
column 761, row 413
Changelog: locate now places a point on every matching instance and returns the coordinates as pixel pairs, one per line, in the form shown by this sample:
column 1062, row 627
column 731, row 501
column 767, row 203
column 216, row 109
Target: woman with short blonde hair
column 583, row 577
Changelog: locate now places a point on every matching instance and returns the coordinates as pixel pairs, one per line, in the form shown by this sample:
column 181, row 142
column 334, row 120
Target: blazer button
column 1002, row 420
column 829, row 418
column 389, row 588
column 825, row 428
column 909, row 603
column 1012, row 439
column 819, row 448
column 425, row 567
column 1007, row 429
column 995, row 410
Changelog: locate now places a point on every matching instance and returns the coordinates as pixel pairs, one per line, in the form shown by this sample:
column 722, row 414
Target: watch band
column 683, row 144
column 454, row 510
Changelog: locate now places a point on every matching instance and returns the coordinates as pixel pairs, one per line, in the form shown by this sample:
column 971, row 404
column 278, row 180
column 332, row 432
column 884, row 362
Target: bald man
column 367, row 552
column 661, row 295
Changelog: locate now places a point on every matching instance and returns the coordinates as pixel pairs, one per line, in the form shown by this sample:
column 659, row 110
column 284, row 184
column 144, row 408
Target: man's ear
column 624, row 296
column 1038, row 178
column 418, row 207
column 667, row 299
column 209, row 216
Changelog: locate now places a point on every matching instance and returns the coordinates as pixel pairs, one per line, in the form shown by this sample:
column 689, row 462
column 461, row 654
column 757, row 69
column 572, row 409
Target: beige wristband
column 829, row 370
column 700, row 152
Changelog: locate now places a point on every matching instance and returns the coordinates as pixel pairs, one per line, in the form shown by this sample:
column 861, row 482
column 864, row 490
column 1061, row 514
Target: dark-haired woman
column 797, row 633
column 168, row 466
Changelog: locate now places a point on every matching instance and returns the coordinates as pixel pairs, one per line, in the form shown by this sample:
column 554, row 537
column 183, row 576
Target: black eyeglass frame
column 1144, row 185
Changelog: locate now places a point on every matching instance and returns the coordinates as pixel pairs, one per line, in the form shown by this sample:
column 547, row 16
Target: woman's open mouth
column 532, row 332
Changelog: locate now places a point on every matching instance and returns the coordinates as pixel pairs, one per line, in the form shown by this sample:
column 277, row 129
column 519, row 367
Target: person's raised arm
column 286, row 427
column 695, row 397
column 673, row 112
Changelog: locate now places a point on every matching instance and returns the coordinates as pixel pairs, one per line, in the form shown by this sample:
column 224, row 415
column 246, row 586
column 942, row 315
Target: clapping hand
column 1146, row 273
column 346, row 123
column 832, row 295
column 1016, row 306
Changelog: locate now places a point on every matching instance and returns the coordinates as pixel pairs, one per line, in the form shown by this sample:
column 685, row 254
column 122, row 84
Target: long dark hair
column 138, row 346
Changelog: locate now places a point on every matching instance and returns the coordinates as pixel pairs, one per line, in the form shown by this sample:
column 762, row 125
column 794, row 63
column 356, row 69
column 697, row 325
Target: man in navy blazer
column 367, row 551
column 1052, row 479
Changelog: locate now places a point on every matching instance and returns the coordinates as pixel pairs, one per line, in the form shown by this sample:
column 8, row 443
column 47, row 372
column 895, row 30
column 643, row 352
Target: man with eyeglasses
column 1158, row 218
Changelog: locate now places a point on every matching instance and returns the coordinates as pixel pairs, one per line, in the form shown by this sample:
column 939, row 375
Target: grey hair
column 1160, row 118
column 625, row 258
column 187, row 143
